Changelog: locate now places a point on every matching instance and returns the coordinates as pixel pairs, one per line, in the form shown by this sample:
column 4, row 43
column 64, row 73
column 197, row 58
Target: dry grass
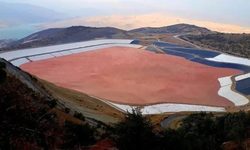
column 82, row 103
column 65, row 116
column 176, row 123
column 169, row 38
column 148, row 39
column 157, row 119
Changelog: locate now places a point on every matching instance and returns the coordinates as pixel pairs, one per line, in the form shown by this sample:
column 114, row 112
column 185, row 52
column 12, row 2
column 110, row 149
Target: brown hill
column 178, row 28
column 36, row 36
column 81, row 33
column 234, row 44
column 67, row 35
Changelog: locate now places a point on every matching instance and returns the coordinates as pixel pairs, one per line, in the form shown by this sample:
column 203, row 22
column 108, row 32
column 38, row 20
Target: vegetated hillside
column 28, row 120
column 178, row 28
column 38, row 35
column 81, row 33
column 5, row 42
column 69, row 35
column 19, row 13
column 235, row 44
column 200, row 131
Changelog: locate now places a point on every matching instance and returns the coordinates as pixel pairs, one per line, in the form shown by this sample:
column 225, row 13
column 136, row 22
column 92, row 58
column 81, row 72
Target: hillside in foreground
column 29, row 121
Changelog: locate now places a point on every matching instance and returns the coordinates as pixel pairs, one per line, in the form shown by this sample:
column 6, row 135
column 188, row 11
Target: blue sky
column 222, row 11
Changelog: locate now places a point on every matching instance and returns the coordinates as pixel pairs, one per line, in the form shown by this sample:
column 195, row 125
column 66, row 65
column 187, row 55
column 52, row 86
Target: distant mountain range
column 80, row 33
column 19, row 13
column 5, row 42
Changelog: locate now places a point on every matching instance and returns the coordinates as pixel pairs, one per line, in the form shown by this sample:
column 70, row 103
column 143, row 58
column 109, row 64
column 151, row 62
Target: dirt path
column 172, row 121
column 177, row 37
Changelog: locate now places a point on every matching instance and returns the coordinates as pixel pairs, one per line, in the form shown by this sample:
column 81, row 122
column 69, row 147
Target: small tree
column 237, row 126
column 2, row 65
column 3, row 75
column 197, row 131
column 79, row 116
column 67, row 110
column 52, row 104
column 135, row 132
column 78, row 136
column 171, row 139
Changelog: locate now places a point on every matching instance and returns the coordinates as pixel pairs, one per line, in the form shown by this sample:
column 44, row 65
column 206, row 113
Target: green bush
column 52, row 104
column 3, row 75
column 79, row 116
column 66, row 110
column 78, row 136
column 135, row 132
column 2, row 65
column 201, row 131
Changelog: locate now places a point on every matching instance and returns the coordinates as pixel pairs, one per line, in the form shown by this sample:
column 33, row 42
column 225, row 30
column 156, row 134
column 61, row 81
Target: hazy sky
column 223, row 11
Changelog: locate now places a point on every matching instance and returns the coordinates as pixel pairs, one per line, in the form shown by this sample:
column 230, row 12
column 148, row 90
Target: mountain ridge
column 177, row 28
column 65, row 35
column 71, row 34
